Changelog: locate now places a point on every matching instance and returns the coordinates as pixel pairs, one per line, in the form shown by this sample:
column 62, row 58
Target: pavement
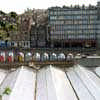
column 51, row 83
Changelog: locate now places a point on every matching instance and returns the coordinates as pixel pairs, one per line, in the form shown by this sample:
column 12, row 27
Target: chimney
column 98, row 3
column 98, row 9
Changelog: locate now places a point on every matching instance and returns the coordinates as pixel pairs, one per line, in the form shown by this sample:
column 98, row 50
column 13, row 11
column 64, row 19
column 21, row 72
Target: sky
column 20, row 6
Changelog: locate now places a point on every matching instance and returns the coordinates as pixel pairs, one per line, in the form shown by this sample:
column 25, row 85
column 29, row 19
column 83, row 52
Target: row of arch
column 21, row 57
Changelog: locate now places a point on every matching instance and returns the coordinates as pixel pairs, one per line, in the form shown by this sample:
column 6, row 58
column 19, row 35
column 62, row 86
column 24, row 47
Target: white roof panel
column 3, row 74
column 80, row 89
column 22, row 84
column 51, row 83
column 89, row 83
column 97, row 70
column 56, row 85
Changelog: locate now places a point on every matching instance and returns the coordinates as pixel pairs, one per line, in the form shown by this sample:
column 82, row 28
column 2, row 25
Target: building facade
column 74, row 27
column 38, row 31
column 38, row 36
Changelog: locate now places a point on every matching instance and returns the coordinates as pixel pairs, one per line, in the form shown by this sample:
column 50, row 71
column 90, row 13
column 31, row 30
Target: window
column 53, row 17
column 55, row 12
column 85, row 22
column 59, row 22
column 68, row 17
column 61, row 17
column 85, row 17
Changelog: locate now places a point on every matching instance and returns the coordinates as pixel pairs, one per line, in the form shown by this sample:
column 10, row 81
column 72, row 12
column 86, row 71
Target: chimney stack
column 98, row 3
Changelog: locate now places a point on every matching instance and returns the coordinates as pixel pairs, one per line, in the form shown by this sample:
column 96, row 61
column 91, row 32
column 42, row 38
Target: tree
column 83, row 6
column 2, row 13
column 13, row 14
column 3, row 24
column 7, row 91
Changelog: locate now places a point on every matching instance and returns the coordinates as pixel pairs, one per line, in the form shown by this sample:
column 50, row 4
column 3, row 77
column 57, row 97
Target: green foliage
column 2, row 24
column 13, row 14
column 12, row 27
column 3, row 34
column 7, row 91
column 7, row 25
column 0, row 97
column 3, row 13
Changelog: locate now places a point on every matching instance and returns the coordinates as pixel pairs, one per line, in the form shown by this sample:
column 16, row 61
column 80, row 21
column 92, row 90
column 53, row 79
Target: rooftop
column 51, row 83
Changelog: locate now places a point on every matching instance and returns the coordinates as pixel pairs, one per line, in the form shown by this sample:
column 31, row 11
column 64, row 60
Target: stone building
column 38, row 32
column 74, row 27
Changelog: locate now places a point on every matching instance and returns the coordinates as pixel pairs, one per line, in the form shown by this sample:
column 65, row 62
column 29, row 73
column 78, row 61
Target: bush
column 7, row 91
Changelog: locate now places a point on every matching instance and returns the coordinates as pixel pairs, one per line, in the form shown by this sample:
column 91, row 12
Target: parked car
column 84, row 56
column 78, row 56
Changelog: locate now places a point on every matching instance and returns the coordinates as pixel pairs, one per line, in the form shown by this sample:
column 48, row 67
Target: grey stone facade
column 74, row 27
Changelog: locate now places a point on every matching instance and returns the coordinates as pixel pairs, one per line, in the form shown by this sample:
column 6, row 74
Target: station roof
column 51, row 83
